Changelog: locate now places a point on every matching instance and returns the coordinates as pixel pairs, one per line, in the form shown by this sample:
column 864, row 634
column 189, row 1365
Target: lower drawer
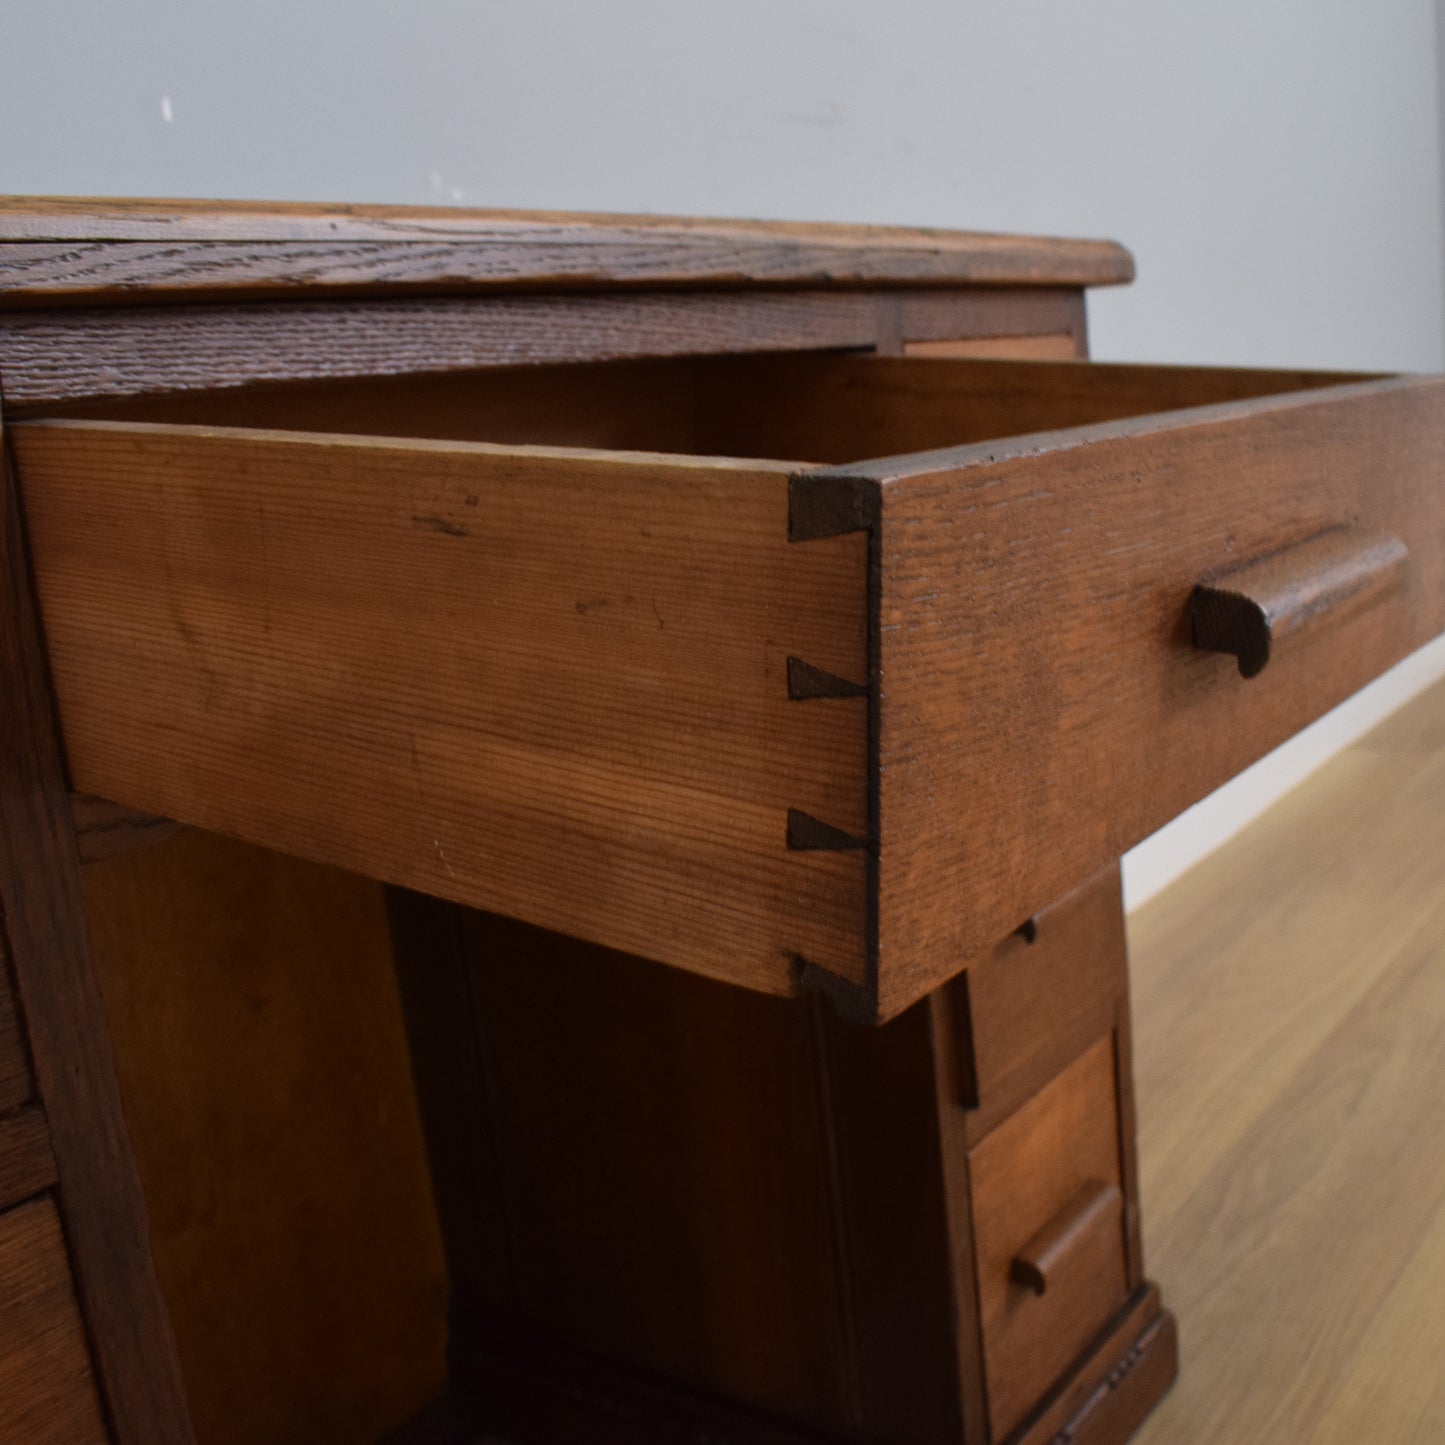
column 47, row 1392
column 1048, row 1233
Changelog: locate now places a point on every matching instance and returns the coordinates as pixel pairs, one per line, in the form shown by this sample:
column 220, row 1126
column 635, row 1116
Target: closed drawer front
column 1038, row 999
column 1048, row 1233
column 15, row 1081
column 680, row 697
column 46, row 1386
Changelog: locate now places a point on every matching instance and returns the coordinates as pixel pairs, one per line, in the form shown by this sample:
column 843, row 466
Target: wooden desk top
column 112, row 249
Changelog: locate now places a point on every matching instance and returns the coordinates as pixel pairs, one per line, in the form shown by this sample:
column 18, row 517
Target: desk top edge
column 200, row 244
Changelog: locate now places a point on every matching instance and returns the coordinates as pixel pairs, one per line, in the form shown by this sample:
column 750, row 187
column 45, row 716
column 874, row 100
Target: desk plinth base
column 526, row 1394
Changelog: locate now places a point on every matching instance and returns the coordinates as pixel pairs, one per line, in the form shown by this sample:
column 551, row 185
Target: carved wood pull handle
column 1041, row 1258
column 1249, row 610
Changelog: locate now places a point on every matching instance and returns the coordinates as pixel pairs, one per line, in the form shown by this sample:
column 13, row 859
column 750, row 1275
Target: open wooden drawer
column 554, row 643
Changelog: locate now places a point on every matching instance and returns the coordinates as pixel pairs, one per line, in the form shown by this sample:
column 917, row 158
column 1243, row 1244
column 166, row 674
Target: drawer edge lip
column 883, row 474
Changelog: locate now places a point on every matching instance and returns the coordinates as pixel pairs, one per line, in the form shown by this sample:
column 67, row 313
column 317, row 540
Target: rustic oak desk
column 550, row 893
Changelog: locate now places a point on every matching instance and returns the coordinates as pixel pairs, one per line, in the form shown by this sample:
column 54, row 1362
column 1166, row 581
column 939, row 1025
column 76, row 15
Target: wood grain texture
column 100, row 1197
column 47, row 1392
column 1248, row 611
column 16, row 1083
column 50, row 356
column 1290, row 1023
column 587, row 651
column 65, row 248
column 261, row 1055
column 26, row 1164
column 995, row 520
column 1041, row 707
column 1024, row 1176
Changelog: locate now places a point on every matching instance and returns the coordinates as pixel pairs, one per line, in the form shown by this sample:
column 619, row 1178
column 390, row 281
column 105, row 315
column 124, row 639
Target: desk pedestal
column 677, row 1211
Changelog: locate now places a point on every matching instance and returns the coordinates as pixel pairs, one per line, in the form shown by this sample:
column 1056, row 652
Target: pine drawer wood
column 784, row 724
column 549, row 683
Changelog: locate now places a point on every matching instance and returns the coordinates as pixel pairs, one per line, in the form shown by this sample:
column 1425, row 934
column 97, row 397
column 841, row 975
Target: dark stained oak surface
column 50, row 355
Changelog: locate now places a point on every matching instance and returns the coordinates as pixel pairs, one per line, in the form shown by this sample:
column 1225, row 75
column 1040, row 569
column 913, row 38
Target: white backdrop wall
column 1274, row 164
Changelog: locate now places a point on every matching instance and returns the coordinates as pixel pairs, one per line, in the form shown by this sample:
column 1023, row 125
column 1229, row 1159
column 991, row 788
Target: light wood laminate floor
column 1289, row 1006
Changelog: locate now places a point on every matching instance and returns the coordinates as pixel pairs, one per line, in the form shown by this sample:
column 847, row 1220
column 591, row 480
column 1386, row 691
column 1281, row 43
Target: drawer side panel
column 553, row 684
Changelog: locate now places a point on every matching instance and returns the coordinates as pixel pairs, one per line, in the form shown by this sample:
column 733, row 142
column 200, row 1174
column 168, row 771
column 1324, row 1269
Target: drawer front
column 15, row 1081
column 46, row 1386
column 1043, row 995
column 1048, row 1225
column 1041, row 706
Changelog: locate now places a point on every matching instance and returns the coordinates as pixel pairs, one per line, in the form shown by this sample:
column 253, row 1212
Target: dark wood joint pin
column 806, row 682
column 807, row 834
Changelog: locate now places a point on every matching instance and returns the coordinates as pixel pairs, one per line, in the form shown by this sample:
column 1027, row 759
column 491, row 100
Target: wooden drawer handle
column 1250, row 609
column 1048, row 1251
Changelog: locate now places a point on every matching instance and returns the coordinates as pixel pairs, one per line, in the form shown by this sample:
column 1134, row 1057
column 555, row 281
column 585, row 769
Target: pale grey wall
column 1274, row 164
